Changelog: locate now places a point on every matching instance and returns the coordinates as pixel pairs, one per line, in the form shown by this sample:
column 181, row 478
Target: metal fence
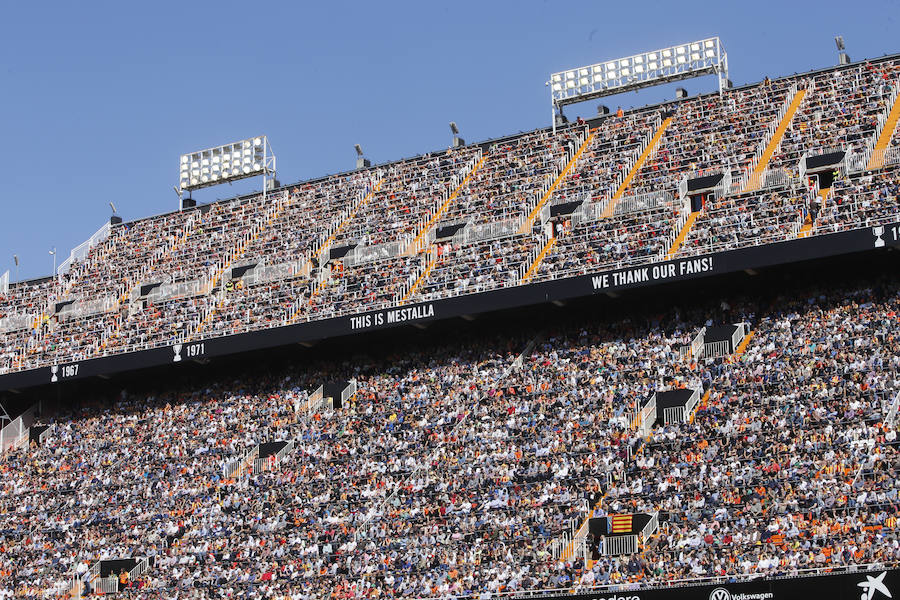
column 695, row 348
column 266, row 273
column 15, row 434
column 488, row 231
column 681, row 414
column 16, row 322
column 716, row 349
column 590, row 211
column 81, row 251
column 366, row 254
column 641, row 202
column 315, row 400
column 142, row 566
column 270, row 462
column 86, row 308
column 891, row 417
column 105, row 585
column 349, row 391
column 234, row 466
column 646, row 417
column 616, row 545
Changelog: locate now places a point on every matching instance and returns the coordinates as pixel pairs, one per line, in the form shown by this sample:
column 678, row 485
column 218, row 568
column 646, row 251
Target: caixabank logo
column 874, row 587
column 721, row 593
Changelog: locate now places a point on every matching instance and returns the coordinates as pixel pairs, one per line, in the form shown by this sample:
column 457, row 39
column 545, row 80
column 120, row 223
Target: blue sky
column 99, row 99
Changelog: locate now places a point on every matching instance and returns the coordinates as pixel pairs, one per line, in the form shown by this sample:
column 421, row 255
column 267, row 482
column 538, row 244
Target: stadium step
column 682, row 235
column 422, row 277
column 703, row 402
column 806, row 230
column 418, row 243
column 763, row 164
column 877, row 160
column 742, row 347
column 529, row 221
column 537, row 261
column 651, row 146
column 349, row 217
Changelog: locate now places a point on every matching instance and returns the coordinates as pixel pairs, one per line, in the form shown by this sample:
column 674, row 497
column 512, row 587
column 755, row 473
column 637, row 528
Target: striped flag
column 620, row 523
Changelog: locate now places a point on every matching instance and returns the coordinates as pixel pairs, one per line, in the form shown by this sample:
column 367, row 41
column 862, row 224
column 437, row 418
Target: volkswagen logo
column 720, row 594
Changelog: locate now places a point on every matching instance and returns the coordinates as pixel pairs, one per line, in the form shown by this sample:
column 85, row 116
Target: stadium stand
column 365, row 240
column 457, row 468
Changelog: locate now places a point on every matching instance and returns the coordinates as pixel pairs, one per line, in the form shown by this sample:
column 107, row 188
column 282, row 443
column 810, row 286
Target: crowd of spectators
column 188, row 253
column 711, row 134
column 457, row 465
column 840, row 111
column 619, row 240
column 746, row 220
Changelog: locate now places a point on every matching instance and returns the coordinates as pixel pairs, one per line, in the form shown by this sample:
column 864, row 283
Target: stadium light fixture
column 647, row 69
column 227, row 163
column 457, row 141
column 843, row 57
column 361, row 162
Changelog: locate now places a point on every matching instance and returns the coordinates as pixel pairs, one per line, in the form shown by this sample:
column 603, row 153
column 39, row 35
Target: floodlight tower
column 457, row 141
column 361, row 161
column 843, row 57
column 647, row 69
column 224, row 164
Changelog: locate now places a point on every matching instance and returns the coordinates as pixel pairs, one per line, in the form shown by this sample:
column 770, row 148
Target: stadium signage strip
column 871, row 585
column 679, row 269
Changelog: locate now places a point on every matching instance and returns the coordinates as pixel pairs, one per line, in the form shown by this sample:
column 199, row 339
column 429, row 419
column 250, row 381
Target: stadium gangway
column 769, row 143
column 565, row 164
column 887, row 123
column 675, row 238
column 427, row 227
column 722, row 348
column 323, row 244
